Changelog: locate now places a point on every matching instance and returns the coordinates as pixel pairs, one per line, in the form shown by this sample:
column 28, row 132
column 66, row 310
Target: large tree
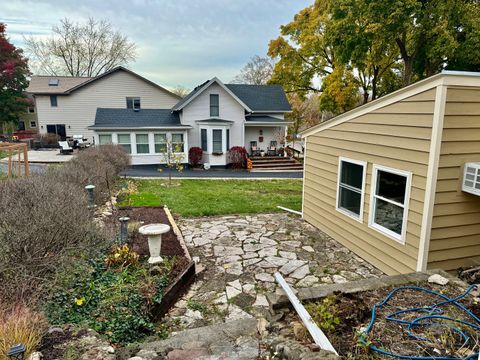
column 258, row 71
column 13, row 80
column 80, row 49
column 375, row 46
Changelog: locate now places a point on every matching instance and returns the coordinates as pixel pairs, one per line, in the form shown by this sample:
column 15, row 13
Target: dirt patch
column 355, row 310
column 170, row 244
column 53, row 345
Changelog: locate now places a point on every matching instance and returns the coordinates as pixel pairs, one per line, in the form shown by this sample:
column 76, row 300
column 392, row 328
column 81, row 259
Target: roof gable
column 201, row 88
column 76, row 83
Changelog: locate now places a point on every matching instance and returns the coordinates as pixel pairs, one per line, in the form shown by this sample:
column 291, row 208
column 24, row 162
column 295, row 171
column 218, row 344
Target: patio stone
column 240, row 254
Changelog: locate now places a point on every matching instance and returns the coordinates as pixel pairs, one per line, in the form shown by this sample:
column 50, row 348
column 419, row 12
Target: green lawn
column 218, row 197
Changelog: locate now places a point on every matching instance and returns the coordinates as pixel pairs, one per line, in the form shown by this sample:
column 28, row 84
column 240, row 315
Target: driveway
column 152, row 171
column 238, row 255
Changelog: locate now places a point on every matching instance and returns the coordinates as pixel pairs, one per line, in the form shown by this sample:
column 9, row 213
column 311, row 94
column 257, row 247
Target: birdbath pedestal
column 154, row 233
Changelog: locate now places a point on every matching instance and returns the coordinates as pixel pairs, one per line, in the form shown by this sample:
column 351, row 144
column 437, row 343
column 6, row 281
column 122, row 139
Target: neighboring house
column 67, row 105
column 28, row 120
column 214, row 117
column 387, row 179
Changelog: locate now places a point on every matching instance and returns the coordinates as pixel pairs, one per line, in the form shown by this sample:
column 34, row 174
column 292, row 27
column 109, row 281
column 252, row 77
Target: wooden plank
column 464, row 134
column 377, row 139
column 377, row 258
column 462, row 122
column 455, row 231
column 407, row 107
column 25, row 160
column 454, row 242
column 356, row 149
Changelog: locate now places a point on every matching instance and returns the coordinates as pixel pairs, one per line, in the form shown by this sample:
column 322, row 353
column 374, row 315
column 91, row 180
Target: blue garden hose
column 433, row 312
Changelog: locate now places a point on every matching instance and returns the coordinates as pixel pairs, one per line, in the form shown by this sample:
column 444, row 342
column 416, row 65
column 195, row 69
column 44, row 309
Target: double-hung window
column 133, row 103
column 217, row 144
column 389, row 201
column 104, row 139
column 142, row 143
column 204, row 139
column 177, row 143
column 214, row 105
column 125, row 142
column 53, row 101
column 351, row 187
column 160, row 143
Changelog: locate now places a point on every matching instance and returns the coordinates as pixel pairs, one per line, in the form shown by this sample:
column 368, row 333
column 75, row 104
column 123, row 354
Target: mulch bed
column 354, row 311
column 139, row 243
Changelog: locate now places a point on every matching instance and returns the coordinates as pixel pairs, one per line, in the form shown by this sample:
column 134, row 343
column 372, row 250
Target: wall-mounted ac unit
column 471, row 178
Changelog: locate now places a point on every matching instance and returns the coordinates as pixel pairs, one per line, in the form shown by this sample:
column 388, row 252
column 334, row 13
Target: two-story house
column 123, row 108
column 67, row 105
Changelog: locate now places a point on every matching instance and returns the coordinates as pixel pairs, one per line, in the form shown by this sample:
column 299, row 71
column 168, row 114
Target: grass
column 218, row 197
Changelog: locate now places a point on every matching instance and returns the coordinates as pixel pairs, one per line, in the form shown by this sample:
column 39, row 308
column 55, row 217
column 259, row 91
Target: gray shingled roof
column 262, row 118
column 261, row 97
column 128, row 118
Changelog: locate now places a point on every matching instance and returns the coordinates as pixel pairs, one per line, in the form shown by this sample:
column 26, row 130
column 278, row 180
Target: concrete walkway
column 238, row 256
column 151, row 171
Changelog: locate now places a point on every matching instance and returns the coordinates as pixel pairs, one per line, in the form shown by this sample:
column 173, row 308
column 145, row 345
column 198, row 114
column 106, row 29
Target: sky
column 179, row 42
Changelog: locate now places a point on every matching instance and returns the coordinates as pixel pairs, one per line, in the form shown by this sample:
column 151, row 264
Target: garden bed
column 344, row 317
column 119, row 295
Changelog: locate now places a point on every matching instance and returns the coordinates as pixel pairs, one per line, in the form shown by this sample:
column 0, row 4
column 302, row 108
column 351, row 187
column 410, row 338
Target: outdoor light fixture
column 91, row 196
column 16, row 352
column 123, row 229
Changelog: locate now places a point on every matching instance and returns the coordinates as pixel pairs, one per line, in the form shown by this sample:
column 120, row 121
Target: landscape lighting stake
column 123, row 229
column 91, row 196
column 16, row 352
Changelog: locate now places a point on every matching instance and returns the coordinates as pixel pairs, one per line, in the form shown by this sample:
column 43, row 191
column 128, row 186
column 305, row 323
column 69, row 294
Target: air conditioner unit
column 471, row 178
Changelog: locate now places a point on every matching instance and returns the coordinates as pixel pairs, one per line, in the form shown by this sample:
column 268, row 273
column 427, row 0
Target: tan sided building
column 398, row 180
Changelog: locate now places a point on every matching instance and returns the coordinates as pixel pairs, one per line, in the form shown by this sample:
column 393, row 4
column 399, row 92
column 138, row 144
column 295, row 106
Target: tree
column 257, row 71
column 180, row 91
column 13, row 80
column 76, row 49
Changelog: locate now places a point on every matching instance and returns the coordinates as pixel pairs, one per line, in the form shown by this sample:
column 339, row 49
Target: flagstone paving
column 238, row 255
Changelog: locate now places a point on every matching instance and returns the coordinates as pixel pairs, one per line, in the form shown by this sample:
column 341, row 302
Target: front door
column 58, row 129
column 21, row 125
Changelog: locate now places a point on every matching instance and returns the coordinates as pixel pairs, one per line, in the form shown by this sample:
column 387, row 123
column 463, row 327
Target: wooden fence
column 12, row 150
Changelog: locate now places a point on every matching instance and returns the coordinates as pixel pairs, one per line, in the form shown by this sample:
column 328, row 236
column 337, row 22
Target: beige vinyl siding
column 395, row 136
column 77, row 110
column 455, row 238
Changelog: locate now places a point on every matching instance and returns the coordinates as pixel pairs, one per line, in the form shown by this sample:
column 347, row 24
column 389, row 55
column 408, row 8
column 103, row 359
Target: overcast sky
column 180, row 42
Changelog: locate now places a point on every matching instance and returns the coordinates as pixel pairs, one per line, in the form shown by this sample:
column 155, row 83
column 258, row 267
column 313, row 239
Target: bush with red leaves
column 195, row 156
column 238, row 157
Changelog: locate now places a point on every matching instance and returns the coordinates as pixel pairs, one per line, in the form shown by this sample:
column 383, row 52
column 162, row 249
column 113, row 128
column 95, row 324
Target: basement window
column 390, row 196
column 351, row 187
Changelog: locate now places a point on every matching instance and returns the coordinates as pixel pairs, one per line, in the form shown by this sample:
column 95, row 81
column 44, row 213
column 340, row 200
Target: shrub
column 45, row 220
column 49, row 139
column 238, row 157
column 20, row 325
column 195, row 155
column 121, row 256
column 115, row 302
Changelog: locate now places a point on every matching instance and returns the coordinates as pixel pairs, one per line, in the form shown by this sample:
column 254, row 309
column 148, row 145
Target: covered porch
column 265, row 135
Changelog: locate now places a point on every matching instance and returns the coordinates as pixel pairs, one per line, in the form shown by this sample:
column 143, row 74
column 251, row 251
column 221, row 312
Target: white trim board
column 432, row 172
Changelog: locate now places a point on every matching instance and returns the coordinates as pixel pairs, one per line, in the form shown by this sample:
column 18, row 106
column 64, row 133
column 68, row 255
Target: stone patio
column 238, row 255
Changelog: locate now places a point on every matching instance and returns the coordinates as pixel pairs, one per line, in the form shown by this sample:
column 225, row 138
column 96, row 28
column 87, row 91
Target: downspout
column 432, row 172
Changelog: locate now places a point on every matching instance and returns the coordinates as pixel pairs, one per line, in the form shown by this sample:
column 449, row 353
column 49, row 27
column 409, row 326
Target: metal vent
column 471, row 178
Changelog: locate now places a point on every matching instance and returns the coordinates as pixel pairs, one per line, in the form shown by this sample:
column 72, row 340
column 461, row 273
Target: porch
column 265, row 135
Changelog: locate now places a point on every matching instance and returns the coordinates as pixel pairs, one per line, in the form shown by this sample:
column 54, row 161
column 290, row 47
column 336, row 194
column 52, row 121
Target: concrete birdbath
column 154, row 233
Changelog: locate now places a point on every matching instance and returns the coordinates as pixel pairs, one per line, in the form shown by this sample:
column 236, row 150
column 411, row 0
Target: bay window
column 217, row 144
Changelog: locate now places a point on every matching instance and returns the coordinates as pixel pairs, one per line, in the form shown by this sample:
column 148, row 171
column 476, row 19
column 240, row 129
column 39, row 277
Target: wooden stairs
column 275, row 164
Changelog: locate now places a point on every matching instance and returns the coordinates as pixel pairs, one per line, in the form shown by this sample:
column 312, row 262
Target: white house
column 67, row 105
column 143, row 117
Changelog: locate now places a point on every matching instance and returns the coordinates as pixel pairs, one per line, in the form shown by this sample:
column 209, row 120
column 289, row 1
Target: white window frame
column 129, row 142
column 401, row 238
column 133, row 98
column 137, row 143
column 357, row 217
column 155, row 143
column 175, row 143
column 108, row 134
column 34, row 124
